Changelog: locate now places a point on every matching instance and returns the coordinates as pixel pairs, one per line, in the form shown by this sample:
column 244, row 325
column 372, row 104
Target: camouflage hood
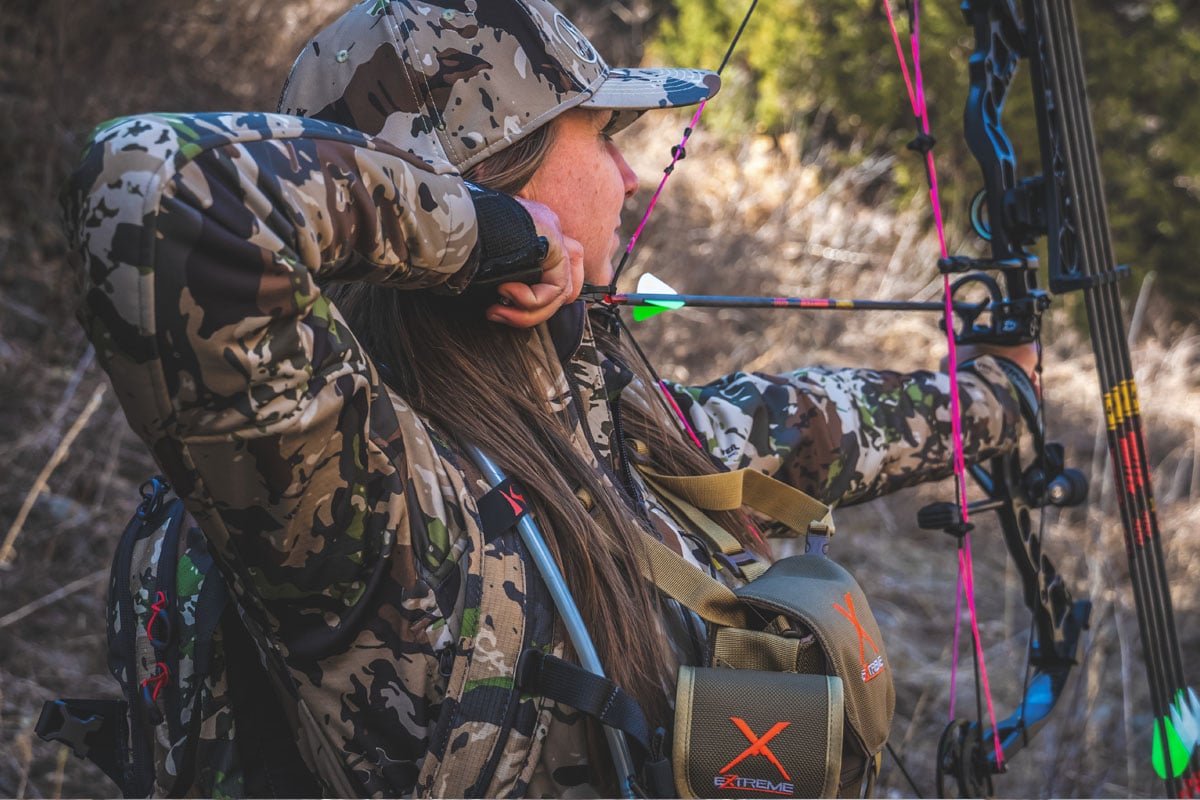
column 413, row 74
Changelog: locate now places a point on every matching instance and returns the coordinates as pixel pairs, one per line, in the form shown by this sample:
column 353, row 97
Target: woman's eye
column 608, row 130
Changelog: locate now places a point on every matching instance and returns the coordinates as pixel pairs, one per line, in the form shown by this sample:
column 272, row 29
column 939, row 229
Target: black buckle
column 58, row 723
column 735, row 561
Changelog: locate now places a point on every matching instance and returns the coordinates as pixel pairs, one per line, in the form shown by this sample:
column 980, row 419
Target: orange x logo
column 852, row 615
column 758, row 747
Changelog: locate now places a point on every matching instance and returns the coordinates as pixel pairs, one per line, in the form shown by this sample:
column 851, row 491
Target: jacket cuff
column 507, row 247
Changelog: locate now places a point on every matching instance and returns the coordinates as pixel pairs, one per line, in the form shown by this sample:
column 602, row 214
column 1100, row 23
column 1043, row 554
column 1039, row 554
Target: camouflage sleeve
column 202, row 239
column 849, row 435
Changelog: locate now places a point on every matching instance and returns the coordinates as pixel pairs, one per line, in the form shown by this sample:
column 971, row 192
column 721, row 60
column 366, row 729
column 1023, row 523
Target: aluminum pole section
column 569, row 611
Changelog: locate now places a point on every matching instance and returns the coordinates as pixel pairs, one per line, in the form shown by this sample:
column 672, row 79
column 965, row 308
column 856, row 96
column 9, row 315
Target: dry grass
column 752, row 221
column 745, row 221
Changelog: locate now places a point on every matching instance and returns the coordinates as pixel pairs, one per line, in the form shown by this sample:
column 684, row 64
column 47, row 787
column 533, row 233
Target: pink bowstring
column 967, row 569
column 912, row 97
column 966, row 580
column 676, row 154
column 687, row 425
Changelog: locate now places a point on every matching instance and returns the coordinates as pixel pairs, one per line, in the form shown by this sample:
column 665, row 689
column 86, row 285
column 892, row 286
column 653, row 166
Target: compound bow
column 1065, row 204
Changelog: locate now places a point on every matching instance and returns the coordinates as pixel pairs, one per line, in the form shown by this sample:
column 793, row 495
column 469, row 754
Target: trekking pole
column 569, row 611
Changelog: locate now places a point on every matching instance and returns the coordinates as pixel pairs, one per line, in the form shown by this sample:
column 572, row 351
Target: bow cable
column 923, row 144
column 678, row 153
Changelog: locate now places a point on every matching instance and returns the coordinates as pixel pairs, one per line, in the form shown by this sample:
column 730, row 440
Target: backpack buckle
column 59, row 723
column 735, row 562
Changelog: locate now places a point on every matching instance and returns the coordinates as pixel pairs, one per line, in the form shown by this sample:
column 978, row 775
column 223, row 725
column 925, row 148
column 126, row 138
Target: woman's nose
column 629, row 178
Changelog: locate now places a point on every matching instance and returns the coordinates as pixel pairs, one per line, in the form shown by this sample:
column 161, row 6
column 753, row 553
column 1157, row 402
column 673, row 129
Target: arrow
column 1177, row 736
column 647, row 304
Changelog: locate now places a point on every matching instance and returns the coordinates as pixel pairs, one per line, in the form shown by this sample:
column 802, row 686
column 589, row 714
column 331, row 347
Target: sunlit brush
column 654, row 297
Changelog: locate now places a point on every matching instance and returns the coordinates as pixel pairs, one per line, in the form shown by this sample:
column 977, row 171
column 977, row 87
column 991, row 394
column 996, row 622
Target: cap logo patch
column 575, row 39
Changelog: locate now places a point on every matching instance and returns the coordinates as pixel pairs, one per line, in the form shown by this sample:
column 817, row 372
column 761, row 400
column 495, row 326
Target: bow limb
column 970, row 753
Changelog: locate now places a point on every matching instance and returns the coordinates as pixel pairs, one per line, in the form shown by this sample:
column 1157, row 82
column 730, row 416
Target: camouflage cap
column 456, row 80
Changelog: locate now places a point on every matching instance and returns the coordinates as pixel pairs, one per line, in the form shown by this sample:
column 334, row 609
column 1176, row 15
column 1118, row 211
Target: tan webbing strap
column 738, row 648
column 677, row 578
column 722, row 539
column 717, row 536
column 729, row 491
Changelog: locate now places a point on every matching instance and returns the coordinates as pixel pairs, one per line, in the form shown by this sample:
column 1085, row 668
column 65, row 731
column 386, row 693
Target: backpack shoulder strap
column 486, row 742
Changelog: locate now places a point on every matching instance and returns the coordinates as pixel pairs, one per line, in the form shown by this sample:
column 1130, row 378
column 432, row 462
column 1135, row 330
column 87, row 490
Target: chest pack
column 794, row 697
column 198, row 713
column 794, row 653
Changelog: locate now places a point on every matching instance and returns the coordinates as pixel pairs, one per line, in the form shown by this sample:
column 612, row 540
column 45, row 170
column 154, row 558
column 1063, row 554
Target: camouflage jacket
column 350, row 524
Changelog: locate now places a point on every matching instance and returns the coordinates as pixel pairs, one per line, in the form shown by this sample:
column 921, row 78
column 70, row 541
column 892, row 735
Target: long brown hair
column 465, row 384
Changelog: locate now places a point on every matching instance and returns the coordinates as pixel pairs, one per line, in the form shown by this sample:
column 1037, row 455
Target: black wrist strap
column 509, row 247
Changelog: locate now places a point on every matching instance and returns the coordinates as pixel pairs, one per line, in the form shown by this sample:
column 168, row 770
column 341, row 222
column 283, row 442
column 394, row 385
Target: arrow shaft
column 809, row 303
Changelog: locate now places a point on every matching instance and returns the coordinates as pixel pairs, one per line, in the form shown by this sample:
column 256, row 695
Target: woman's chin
column 601, row 275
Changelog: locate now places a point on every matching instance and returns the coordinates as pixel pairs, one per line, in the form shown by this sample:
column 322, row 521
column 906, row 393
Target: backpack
column 199, row 713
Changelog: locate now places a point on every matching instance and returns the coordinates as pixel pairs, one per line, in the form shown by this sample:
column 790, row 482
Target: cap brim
column 643, row 89
column 630, row 92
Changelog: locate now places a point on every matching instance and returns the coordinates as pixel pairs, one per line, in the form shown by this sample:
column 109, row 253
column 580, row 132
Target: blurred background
column 797, row 183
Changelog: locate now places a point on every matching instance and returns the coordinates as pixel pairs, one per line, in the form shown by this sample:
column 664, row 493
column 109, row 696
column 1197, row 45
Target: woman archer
column 309, row 316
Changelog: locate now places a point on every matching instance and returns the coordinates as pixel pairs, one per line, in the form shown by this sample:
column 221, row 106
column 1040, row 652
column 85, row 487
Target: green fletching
column 654, row 309
column 1174, row 745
